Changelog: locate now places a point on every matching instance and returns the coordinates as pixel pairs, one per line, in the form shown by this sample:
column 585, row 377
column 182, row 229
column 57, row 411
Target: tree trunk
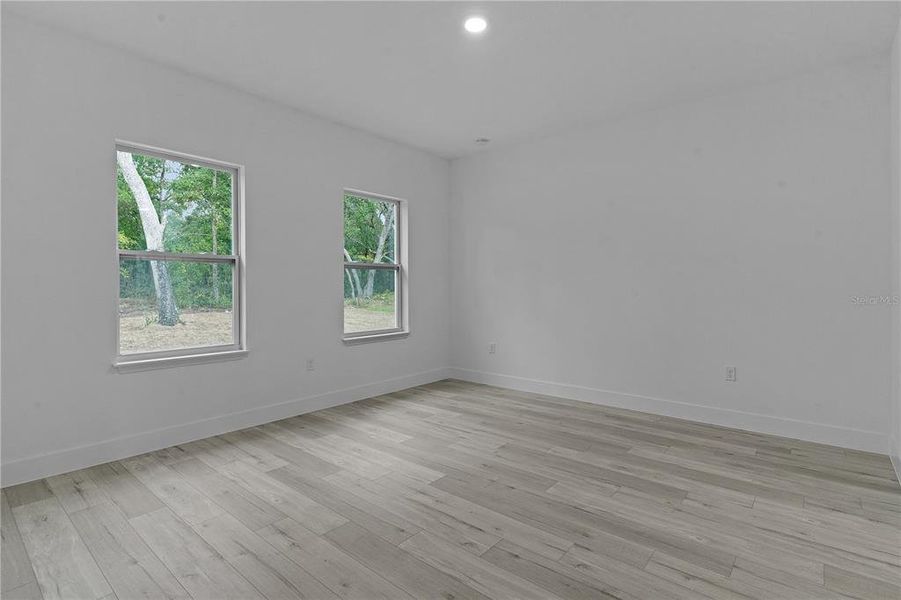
column 161, row 183
column 379, row 253
column 353, row 276
column 215, row 266
column 350, row 282
column 153, row 233
column 214, row 221
column 168, row 312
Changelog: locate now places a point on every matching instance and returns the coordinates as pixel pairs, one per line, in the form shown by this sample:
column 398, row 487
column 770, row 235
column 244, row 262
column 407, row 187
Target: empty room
column 450, row 300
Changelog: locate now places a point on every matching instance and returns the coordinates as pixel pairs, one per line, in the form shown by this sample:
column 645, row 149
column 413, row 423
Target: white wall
column 65, row 101
column 629, row 263
column 896, row 249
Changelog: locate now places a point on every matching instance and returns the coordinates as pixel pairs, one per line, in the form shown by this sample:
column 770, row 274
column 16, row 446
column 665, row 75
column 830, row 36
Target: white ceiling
column 407, row 71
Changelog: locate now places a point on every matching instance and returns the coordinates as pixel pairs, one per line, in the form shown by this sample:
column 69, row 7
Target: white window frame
column 399, row 266
column 199, row 354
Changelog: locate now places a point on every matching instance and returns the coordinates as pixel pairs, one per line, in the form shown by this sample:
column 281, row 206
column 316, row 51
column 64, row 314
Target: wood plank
column 565, row 519
column 444, row 459
column 14, row 562
column 342, row 457
column 248, row 508
column 779, row 583
column 130, row 567
column 29, row 591
column 469, row 537
column 172, row 489
column 628, row 580
column 215, row 451
column 25, row 493
column 196, row 565
column 256, row 456
column 171, row 455
column 289, row 501
column 701, row 581
column 337, row 570
column 859, row 586
column 287, row 445
column 397, row 566
column 479, row 517
column 475, row 572
column 369, row 516
column 557, row 578
column 62, row 564
column 366, row 426
column 388, row 460
column 270, row 572
column 76, row 490
column 129, row 494
column 771, row 544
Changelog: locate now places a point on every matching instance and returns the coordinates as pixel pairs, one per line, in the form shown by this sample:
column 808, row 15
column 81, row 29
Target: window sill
column 146, row 364
column 376, row 337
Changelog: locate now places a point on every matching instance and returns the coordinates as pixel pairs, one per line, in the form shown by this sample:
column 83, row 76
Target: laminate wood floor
column 454, row 490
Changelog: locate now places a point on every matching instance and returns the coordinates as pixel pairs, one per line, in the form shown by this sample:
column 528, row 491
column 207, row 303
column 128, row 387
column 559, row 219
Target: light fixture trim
column 475, row 24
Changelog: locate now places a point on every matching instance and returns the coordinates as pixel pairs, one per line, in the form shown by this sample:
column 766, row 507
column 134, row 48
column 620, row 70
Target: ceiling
column 407, row 70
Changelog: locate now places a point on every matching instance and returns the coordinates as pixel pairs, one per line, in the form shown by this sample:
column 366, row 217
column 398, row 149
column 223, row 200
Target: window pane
column 370, row 228
column 167, row 205
column 369, row 300
column 168, row 305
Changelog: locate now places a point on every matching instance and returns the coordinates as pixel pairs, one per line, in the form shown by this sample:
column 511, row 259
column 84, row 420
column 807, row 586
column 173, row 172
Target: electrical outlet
column 492, row 348
column 730, row 374
column 311, row 364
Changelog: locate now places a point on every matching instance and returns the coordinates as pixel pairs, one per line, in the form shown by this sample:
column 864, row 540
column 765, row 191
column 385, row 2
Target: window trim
column 199, row 354
column 399, row 266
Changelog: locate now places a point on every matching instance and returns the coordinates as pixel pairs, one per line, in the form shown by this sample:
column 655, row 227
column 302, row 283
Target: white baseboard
column 857, row 439
column 70, row 459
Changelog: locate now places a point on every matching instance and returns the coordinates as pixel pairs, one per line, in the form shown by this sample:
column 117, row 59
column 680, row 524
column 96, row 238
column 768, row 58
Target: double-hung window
column 374, row 276
column 180, row 268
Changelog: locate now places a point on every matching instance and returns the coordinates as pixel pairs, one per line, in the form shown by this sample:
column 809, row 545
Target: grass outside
column 139, row 331
column 369, row 315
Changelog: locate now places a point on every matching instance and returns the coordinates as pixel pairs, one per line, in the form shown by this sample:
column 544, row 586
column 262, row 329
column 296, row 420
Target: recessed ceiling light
column 475, row 24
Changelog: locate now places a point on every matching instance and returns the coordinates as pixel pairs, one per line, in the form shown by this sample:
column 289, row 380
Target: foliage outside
column 370, row 236
column 166, row 205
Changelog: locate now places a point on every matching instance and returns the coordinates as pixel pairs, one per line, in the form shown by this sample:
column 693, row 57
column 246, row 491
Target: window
column 179, row 255
column 374, row 277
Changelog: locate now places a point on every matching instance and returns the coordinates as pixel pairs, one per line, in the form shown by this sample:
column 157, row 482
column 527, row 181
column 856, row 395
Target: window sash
column 397, row 222
column 237, row 331
column 367, row 265
column 234, row 171
column 136, row 357
column 181, row 257
column 398, row 299
column 373, row 332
